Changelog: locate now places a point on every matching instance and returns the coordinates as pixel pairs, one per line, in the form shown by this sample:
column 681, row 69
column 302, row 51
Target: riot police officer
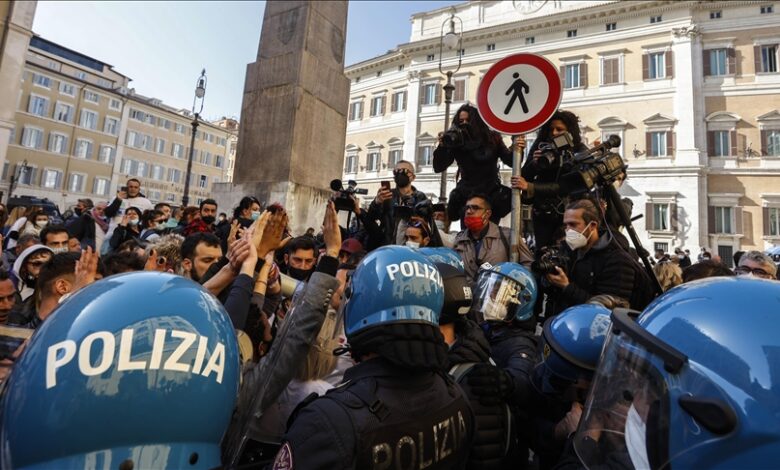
column 396, row 408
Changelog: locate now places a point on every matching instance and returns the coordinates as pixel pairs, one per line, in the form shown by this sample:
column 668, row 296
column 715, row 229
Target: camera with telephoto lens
column 599, row 166
column 550, row 259
column 552, row 151
column 345, row 199
column 408, row 208
column 453, row 137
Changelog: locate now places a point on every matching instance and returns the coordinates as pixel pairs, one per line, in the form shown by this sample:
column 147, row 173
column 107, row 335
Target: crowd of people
column 394, row 342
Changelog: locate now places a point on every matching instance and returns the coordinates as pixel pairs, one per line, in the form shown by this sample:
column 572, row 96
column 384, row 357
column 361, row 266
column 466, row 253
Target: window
column 111, row 126
column 459, row 94
column 716, row 14
column 491, row 47
column 177, row 150
column 721, row 143
column 356, row 111
column 83, row 149
column 137, row 115
column 127, row 165
column 571, row 76
column 179, row 128
column 115, row 104
column 395, row 156
column 105, row 83
column 661, row 246
column 530, row 40
column 461, row 52
column 28, row 175
column 142, row 169
column 100, row 186
column 656, row 65
column 38, row 106
column 32, row 137
column 159, row 146
column 158, row 172
column 425, row 155
column 378, row 73
column 219, row 161
column 768, row 58
column 147, row 142
column 430, row 94
column 203, row 181
column 51, row 179
column 63, row 112
column 770, row 140
column 611, row 26
column 350, row 163
column 88, row 119
column 372, row 163
column 657, row 147
column 610, row 71
column 377, row 106
column 76, row 182
column 718, row 62
column 80, row 75
column 430, row 57
column 91, row 96
column 58, row 143
column 766, row 9
column 656, row 19
column 41, row 80
column 106, row 154
column 398, row 102
column 401, row 68
column 205, row 157
column 572, row 33
column 723, row 220
column 661, row 217
column 67, row 89
column 130, row 138
column 773, row 216
column 170, row 197
column 174, row 175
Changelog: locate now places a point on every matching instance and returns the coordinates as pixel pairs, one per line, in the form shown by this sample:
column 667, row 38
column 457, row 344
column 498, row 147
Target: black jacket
column 83, row 228
column 551, row 185
column 477, row 162
column 379, row 413
column 388, row 216
column 121, row 235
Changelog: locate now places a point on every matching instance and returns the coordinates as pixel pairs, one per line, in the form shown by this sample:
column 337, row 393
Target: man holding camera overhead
column 385, row 207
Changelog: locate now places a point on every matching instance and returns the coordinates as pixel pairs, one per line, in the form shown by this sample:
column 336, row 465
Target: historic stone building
column 692, row 88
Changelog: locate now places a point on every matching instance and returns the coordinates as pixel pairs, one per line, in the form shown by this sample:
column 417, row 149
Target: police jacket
column 493, row 423
column 477, row 161
column 514, row 350
column 382, row 416
column 603, row 269
column 388, row 217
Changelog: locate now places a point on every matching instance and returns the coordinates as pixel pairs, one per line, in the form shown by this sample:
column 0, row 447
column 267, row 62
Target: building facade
column 80, row 131
column 690, row 87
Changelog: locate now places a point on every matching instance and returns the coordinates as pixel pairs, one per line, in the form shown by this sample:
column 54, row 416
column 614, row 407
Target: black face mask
column 208, row 220
column 402, row 180
column 30, row 281
column 78, row 211
column 300, row 274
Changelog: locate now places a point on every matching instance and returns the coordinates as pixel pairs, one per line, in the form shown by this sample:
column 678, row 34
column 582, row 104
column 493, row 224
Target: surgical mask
column 575, row 239
column 133, row 222
column 171, row 223
column 255, row 215
column 62, row 249
column 41, row 223
column 414, row 245
column 636, row 439
column 439, row 224
column 474, row 223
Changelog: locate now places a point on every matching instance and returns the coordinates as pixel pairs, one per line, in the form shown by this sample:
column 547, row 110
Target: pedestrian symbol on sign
column 517, row 88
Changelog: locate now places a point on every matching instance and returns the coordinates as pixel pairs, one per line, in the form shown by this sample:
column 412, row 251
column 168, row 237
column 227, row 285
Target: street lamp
column 200, row 93
column 450, row 40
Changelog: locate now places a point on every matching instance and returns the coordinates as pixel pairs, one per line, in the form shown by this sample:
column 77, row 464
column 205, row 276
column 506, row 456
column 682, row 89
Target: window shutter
column 384, row 103
column 765, row 216
column 757, row 58
column 649, row 216
column 764, row 141
column 711, row 219
column 351, row 112
column 422, row 94
column 738, row 219
column 360, row 110
column 706, row 58
column 645, row 66
column 562, row 72
column 404, row 105
column 733, row 142
column 34, row 181
column 673, row 217
column 649, row 144
column 437, row 98
column 669, row 143
column 584, row 75
column 711, row 143
column 669, row 65
column 460, row 90
column 731, row 61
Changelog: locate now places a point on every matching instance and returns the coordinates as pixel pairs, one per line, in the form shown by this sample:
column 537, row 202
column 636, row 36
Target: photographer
column 476, row 149
column 383, row 207
column 543, row 176
column 595, row 263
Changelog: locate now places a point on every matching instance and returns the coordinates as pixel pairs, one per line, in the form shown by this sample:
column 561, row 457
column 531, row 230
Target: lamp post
column 451, row 40
column 20, row 169
column 200, row 93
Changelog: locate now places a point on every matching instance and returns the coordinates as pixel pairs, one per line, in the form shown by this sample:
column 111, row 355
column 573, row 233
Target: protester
column 418, row 233
column 204, row 222
column 394, row 207
column 705, row 268
column 129, row 228
column 756, row 264
column 7, row 296
column 55, row 237
column 669, row 274
column 91, row 228
column 27, row 267
column 198, row 252
column 36, row 223
column 82, row 207
column 300, row 258
column 349, row 248
column 125, row 198
column 152, row 225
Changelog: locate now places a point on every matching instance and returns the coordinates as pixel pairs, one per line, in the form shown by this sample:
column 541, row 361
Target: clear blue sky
column 163, row 46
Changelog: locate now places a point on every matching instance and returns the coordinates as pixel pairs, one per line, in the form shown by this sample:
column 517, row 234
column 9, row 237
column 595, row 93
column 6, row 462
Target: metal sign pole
column 517, row 206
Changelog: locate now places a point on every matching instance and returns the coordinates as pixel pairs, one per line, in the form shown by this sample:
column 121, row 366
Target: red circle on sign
column 535, row 122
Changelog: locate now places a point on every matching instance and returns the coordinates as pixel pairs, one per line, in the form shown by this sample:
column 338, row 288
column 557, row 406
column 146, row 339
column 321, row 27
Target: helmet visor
column 498, row 298
column 625, row 422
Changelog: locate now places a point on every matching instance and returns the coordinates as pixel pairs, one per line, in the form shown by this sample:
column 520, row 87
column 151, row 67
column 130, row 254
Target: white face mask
column 62, row 249
column 440, row 224
column 42, row 223
column 636, row 435
column 414, row 245
column 575, row 239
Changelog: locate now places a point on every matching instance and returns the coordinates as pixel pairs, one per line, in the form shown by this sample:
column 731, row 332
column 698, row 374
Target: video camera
column 407, row 208
column 599, row 166
column 561, row 144
column 550, row 259
column 345, row 200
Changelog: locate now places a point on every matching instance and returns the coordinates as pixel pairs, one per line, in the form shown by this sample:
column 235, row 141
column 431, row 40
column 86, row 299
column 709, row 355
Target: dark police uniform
column 381, row 417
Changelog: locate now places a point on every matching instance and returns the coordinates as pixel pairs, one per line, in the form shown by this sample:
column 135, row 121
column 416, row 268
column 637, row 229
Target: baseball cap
column 351, row 245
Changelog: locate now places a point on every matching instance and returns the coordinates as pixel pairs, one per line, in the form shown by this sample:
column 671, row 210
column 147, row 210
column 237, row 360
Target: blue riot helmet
column 571, row 343
column 457, row 293
column 504, row 292
column 138, row 370
column 444, row 255
column 392, row 308
column 694, row 382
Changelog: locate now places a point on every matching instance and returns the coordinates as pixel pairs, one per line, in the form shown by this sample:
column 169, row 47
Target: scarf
column 98, row 220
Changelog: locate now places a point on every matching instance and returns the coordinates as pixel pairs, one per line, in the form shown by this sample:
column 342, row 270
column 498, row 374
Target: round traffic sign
column 519, row 93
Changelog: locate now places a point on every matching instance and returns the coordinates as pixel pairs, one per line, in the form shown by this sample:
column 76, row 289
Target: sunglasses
column 419, row 224
column 37, row 264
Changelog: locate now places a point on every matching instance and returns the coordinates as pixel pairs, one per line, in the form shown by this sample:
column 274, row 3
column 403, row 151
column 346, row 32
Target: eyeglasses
column 474, row 208
column 756, row 272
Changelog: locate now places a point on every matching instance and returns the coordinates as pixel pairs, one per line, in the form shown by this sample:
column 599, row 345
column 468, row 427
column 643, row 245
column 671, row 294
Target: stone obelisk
column 294, row 111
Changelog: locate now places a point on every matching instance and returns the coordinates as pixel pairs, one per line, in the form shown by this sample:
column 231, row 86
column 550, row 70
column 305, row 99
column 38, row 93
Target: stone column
column 412, row 116
column 294, row 111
